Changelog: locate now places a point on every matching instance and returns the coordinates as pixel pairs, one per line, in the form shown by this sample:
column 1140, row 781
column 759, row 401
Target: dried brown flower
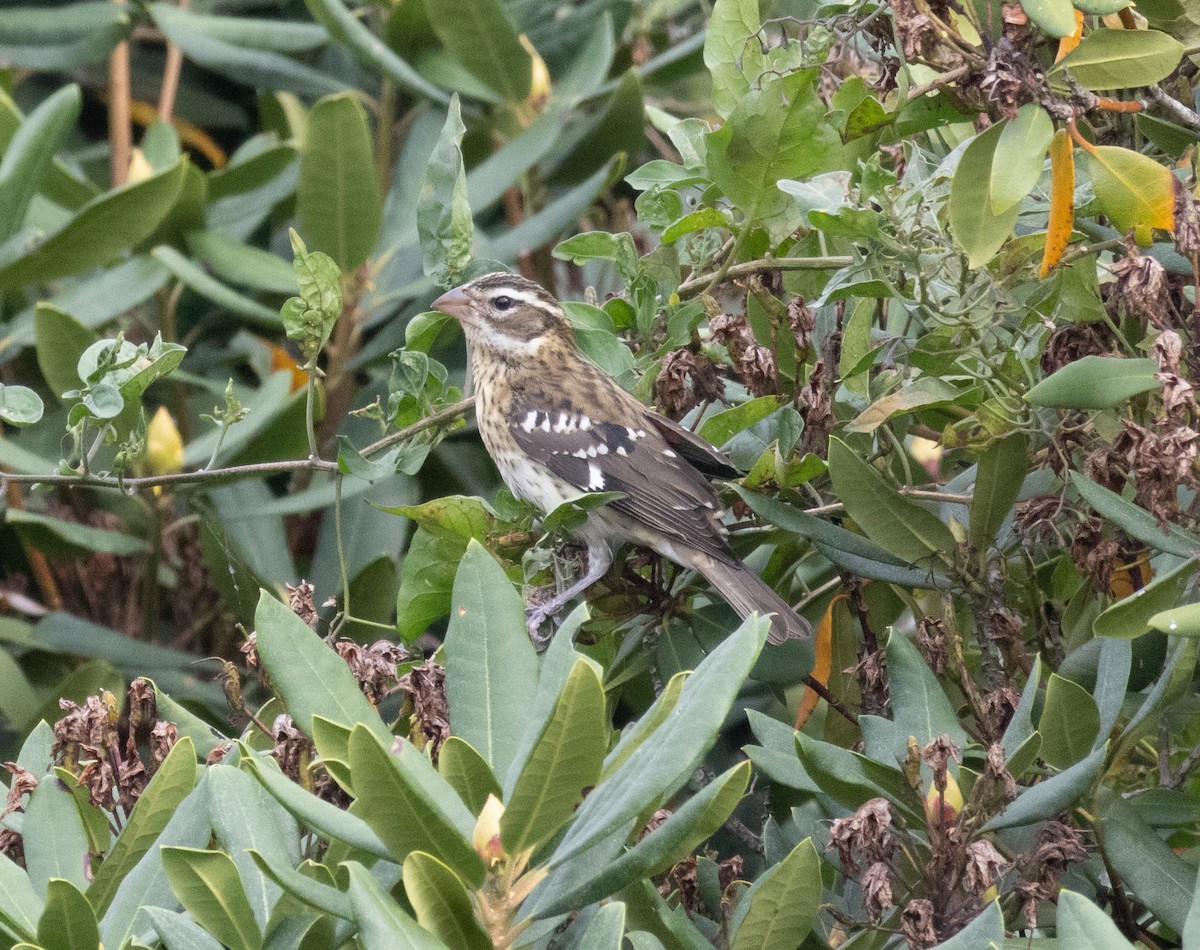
column 1034, row 517
column 1094, row 555
column 932, row 642
column 1056, row 846
column 1141, row 287
column 686, row 379
column 996, row 769
column 815, row 399
column 300, row 602
column 425, row 686
column 868, row 831
column 998, row 707
column 984, row 866
column 1160, row 461
column 916, row 923
column 937, row 755
column 1187, row 221
column 374, row 666
column 1073, row 342
column 877, row 890
column 802, row 320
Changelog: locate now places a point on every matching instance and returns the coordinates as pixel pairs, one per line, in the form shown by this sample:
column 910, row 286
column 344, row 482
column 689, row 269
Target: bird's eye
column 502, row 303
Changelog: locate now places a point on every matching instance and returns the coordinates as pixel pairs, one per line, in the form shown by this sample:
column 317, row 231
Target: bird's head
column 507, row 313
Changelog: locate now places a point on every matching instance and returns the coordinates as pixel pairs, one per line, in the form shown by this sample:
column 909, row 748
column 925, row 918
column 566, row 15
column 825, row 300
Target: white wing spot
column 584, row 423
column 580, row 453
column 530, row 422
column 602, row 449
column 621, row 450
column 591, row 451
column 641, row 434
column 595, row 477
column 632, row 433
column 546, row 423
column 669, row 454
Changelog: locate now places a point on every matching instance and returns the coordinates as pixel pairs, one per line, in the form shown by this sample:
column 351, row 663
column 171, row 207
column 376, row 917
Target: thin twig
column 120, row 132
column 1174, row 108
column 439, row 418
column 170, row 81
column 694, row 286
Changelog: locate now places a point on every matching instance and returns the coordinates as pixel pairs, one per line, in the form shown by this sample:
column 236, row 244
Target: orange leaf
column 1062, row 200
column 1068, row 43
column 1128, row 579
column 281, row 358
column 822, row 664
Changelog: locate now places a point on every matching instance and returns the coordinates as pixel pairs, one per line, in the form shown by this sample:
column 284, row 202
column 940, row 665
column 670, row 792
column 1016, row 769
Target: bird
column 559, row 428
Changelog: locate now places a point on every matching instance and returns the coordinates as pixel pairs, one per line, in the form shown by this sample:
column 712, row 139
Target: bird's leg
column 599, row 559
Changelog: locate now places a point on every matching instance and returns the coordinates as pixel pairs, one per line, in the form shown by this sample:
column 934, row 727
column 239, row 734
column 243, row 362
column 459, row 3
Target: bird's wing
column 710, row 462
column 629, row 454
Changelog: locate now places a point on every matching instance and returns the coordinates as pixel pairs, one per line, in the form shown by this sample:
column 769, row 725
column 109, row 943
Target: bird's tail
column 746, row 593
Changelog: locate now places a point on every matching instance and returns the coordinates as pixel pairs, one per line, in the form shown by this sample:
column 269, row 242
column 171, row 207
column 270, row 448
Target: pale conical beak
column 454, row 302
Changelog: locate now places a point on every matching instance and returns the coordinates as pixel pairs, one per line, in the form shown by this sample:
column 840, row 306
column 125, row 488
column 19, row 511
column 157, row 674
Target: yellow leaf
column 1068, row 43
column 1136, row 192
column 1062, row 200
column 822, row 664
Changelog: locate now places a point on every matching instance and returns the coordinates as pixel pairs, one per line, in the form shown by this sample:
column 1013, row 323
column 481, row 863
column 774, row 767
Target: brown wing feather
column 702, row 456
column 662, row 489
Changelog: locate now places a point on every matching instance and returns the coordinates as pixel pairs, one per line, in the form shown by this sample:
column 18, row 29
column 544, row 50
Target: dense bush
column 926, row 272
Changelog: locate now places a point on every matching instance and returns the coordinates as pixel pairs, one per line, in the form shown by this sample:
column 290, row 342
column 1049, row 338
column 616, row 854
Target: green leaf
column 896, row 524
column 481, row 38
column 197, row 279
column 338, row 200
column 346, row 28
column 382, row 924
column 442, row 903
column 779, row 130
column 248, row 51
column 911, row 396
column 99, row 231
column 1070, row 723
column 20, row 905
column 1095, row 382
column 1181, row 622
column 318, row 814
column 444, row 222
column 1081, row 925
column 851, row 779
column 309, row 677
column 68, row 921
column 732, row 52
column 977, row 228
column 583, row 881
column 208, row 886
column 65, row 539
column 1160, row 878
column 1019, row 157
column 61, row 340
column 1053, row 17
column 920, row 707
column 1135, row 521
column 1134, row 190
column 178, row 931
column 1130, row 616
column 1122, row 59
column 49, row 39
column 468, row 773
column 720, row 427
column 781, row 906
column 55, row 839
column 606, row 930
column 1051, row 795
column 172, row 783
column 491, row 665
column 660, row 764
column 563, row 765
column 309, row 318
column 19, row 406
column 28, row 157
column 410, row 806
column 312, row 885
column 998, row 481
column 985, row 931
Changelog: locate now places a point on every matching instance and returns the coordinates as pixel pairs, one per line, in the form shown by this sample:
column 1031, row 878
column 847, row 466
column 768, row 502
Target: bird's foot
column 536, row 618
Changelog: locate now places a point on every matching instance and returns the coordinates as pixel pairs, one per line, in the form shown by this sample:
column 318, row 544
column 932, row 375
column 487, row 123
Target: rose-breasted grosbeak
column 558, row 428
